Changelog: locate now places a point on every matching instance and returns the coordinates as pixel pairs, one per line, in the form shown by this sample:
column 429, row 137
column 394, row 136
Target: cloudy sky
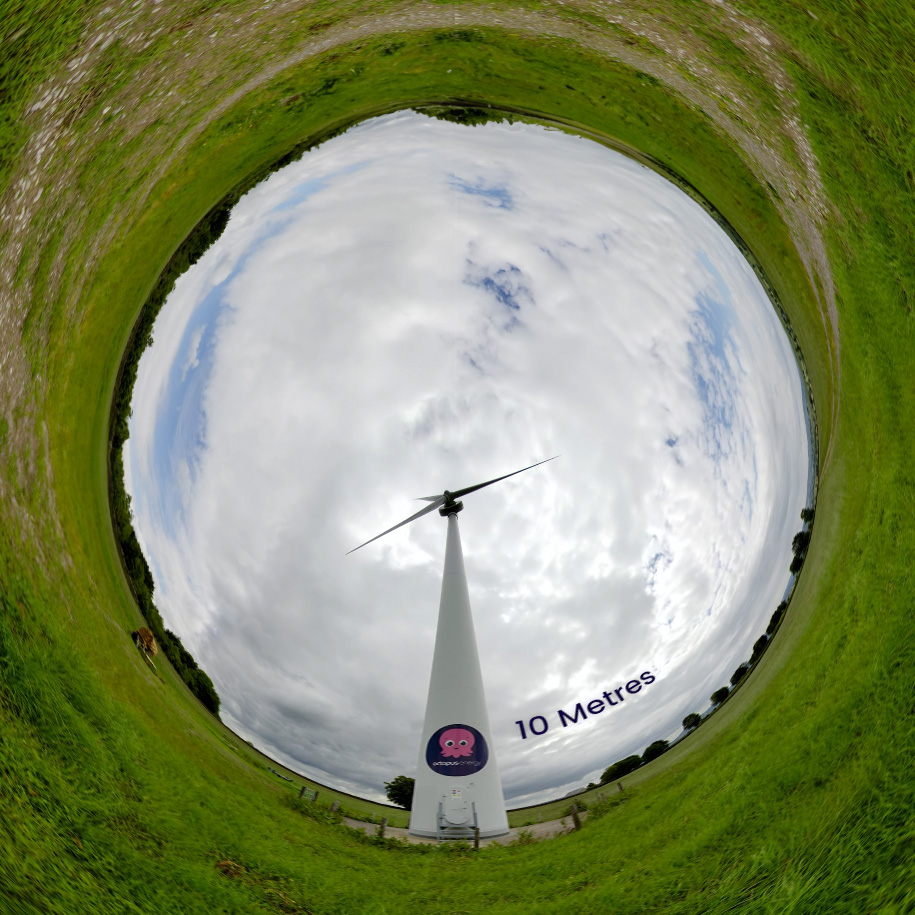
column 418, row 305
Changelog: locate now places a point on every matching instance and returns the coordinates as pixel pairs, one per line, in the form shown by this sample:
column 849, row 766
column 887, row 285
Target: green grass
column 119, row 793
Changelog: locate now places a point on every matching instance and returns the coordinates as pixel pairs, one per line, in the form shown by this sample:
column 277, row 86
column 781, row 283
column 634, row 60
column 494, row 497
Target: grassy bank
column 119, row 792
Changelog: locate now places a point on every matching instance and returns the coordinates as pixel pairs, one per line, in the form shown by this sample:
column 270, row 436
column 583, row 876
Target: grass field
column 121, row 126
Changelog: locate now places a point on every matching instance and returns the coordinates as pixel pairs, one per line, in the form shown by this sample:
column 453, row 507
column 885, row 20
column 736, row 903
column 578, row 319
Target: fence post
column 476, row 838
column 302, row 792
column 382, row 827
column 575, row 818
column 314, row 800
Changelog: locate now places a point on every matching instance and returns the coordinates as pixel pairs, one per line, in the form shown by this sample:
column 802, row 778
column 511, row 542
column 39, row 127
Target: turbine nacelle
column 450, row 507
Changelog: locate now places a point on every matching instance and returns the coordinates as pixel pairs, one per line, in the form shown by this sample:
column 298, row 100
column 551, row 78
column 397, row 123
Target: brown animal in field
column 145, row 640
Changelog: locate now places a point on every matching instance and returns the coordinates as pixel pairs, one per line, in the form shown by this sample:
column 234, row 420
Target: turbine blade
column 470, row 489
column 428, row 498
column 439, row 500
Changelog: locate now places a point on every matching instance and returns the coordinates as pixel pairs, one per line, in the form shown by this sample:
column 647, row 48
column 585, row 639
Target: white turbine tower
column 458, row 788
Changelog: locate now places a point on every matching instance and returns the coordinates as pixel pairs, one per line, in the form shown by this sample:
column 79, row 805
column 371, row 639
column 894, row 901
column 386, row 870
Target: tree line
column 625, row 766
column 400, row 790
column 141, row 583
column 201, row 238
column 135, row 565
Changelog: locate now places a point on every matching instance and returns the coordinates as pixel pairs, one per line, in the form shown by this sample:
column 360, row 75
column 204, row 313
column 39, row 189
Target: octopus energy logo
column 457, row 749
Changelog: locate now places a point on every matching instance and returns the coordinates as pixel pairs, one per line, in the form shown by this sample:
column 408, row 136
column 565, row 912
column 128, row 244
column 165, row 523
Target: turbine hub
column 447, row 503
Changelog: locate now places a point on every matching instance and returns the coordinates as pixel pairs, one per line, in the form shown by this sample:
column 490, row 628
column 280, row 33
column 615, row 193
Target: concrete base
column 536, row 831
column 459, row 832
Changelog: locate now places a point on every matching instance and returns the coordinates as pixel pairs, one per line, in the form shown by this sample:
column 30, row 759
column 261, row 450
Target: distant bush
column 400, row 791
column 654, row 750
column 799, row 546
column 691, row 721
column 720, row 695
column 623, row 767
column 779, row 612
column 800, row 543
column 739, row 674
column 759, row 646
column 469, row 115
column 202, row 687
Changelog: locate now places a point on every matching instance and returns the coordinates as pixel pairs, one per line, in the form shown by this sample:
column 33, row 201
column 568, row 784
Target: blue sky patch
column 494, row 195
column 506, row 285
column 711, row 351
column 311, row 186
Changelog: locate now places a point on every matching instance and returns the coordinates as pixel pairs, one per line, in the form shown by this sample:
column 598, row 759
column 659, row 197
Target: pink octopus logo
column 456, row 742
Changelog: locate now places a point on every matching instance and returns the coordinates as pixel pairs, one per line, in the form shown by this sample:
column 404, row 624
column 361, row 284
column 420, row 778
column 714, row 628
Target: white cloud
column 417, row 305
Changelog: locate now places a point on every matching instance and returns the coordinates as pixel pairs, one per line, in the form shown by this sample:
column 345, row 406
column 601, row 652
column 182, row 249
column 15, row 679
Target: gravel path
column 536, row 831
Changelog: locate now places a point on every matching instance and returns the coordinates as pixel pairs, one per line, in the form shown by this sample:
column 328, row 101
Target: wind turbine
column 457, row 785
